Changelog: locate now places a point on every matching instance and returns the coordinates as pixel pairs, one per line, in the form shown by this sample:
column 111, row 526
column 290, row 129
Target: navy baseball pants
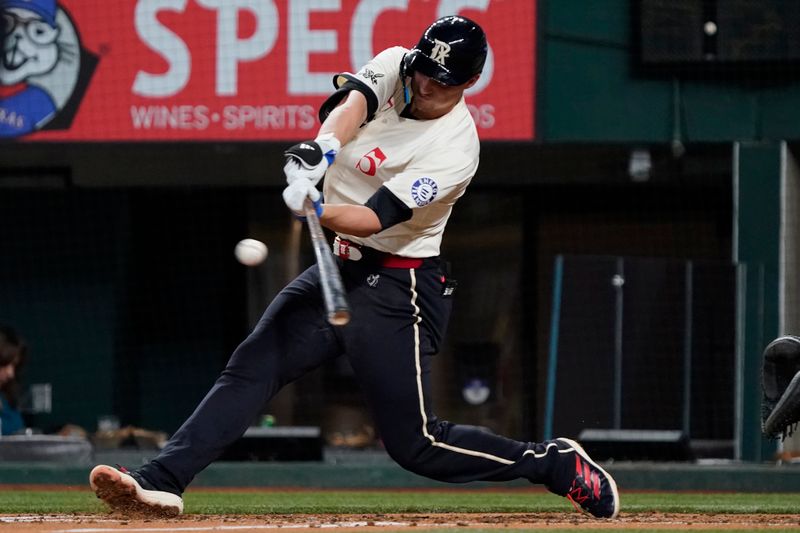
column 398, row 320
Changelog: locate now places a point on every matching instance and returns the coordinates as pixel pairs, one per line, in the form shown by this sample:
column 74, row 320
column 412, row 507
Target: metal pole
column 555, row 319
column 741, row 315
column 618, row 281
column 687, row 347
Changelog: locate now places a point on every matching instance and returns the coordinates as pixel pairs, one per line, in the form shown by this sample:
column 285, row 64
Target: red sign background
column 261, row 105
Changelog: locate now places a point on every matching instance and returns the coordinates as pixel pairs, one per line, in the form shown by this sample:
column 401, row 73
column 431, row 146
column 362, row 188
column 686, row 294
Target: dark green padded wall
column 589, row 92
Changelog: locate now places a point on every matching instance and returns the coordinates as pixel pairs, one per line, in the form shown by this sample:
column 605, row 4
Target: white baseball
column 250, row 252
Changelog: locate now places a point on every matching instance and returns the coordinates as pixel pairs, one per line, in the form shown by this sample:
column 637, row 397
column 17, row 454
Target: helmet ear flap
column 407, row 65
column 407, row 70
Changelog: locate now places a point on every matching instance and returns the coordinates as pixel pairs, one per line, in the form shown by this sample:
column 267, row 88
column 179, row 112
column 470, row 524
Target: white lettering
column 362, row 26
column 230, row 49
column 232, row 117
column 177, row 117
column 483, row 115
column 440, row 52
column 268, row 117
column 200, row 117
column 142, row 117
column 303, row 41
column 164, row 42
column 11, row 118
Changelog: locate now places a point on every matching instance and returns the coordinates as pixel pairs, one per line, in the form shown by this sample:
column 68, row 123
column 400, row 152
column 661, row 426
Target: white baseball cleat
column 124, row 493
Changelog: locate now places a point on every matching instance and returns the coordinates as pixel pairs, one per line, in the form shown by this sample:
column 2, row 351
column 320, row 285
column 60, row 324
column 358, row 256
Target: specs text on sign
column 233, row 50
column 169, row 70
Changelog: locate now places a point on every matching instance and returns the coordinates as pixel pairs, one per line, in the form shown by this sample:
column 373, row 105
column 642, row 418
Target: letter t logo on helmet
column 440, row 51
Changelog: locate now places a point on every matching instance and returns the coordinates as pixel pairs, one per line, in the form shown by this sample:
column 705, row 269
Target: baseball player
column 397, row 147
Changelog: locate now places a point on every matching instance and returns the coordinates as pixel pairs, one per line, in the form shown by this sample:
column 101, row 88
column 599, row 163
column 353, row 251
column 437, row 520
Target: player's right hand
column 309, row 160
column 296, row 193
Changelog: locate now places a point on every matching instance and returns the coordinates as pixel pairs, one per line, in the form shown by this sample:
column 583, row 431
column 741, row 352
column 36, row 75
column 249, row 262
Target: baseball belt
column 352, row 251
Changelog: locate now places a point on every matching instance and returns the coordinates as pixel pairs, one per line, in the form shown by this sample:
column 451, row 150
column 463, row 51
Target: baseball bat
column 336, row 307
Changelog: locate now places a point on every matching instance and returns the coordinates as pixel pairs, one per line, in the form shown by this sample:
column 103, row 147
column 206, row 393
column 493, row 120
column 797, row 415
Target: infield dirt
column 393, row 522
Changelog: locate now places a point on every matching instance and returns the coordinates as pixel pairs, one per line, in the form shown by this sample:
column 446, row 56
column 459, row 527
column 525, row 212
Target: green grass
column 331, row 501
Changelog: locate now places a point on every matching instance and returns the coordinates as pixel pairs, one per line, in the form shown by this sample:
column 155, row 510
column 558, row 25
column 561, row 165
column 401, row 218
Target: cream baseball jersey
column 426, row 164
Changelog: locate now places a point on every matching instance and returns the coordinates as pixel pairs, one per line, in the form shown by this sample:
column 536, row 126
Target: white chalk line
column 308, row 525
column 24, row 519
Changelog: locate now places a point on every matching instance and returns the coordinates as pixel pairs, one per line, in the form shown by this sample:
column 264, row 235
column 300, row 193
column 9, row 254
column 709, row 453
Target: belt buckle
column 346, row 249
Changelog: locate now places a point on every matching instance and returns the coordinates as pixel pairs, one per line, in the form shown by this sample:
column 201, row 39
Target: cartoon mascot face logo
column 44, row 71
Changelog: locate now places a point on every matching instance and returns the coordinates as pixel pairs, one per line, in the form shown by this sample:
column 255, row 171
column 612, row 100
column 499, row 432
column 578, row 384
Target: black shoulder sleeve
column 345, row 83
column 389, row 208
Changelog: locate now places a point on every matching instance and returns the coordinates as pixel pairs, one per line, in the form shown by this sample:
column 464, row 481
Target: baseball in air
column 250, row 252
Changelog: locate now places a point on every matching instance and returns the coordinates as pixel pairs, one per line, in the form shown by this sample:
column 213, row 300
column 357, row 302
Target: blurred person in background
column 12, row 356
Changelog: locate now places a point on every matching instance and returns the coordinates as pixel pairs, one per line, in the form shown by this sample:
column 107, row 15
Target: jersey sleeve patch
column 371, row 76
column 424, row 191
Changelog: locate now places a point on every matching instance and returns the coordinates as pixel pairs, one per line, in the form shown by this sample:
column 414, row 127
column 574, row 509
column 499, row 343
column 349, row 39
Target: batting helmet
column 451, row 51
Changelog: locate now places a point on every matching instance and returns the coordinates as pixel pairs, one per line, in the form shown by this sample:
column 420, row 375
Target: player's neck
column 432, row 113
column 408, row 113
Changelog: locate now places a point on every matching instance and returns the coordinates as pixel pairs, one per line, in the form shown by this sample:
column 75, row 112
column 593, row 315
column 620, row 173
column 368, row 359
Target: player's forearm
column 345, row 120
column 356, row 220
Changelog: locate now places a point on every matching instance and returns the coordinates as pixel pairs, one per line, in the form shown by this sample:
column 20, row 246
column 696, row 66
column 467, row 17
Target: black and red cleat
column 592, row 489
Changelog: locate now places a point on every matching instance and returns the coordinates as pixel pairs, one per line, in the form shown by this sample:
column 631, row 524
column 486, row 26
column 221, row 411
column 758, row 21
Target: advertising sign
column 231, row 70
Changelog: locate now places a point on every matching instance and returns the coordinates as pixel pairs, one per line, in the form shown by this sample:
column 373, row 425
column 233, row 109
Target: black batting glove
column 310, row 159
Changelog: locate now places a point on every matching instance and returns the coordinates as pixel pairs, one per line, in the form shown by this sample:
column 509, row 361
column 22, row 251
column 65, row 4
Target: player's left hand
column 309, row 160
column 296, row 193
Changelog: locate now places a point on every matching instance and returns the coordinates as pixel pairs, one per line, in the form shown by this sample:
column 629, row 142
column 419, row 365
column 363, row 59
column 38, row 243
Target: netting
column 131, row 299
